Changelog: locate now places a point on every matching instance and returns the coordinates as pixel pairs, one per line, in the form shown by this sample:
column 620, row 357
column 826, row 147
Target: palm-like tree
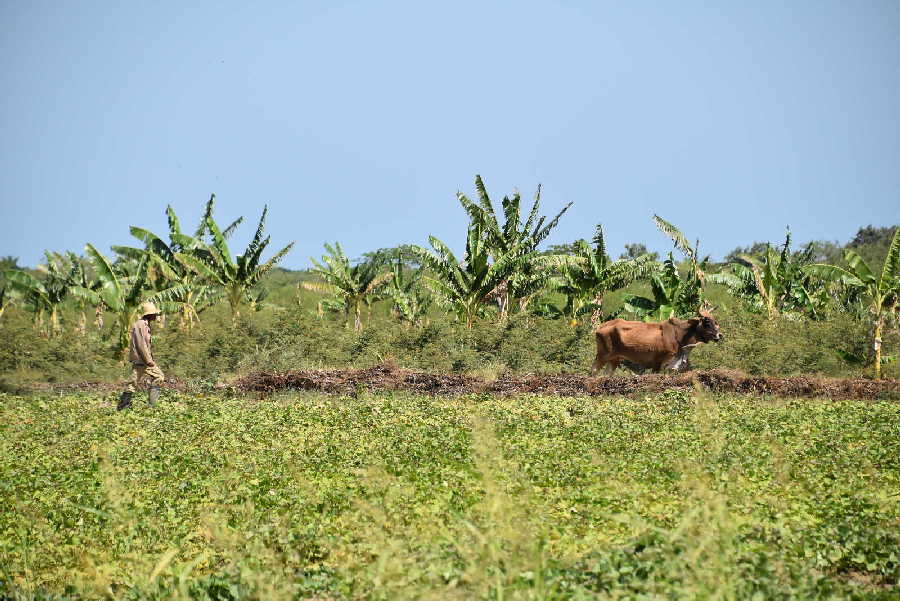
column 674, row 294
column 353, row 285
column 182, row 290
column 73, row 269
column 409, row 303
column 775, row 283
column 466, row 286
column 535, row 276
column 121, row 289
column 591, row 274
column 883, row 292
column 44, row 296
column 513, row 236
column 36, row 298
column 236, row 275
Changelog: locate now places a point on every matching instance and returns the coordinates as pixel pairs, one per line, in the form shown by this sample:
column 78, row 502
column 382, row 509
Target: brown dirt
column 389, row 377
column 105, row 387
column 386, row 377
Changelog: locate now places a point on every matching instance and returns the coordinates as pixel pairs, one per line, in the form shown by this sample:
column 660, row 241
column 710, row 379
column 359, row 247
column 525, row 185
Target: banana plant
column 121, row 289
column 236, row 275
column 533, row 278
column 45, row 296
column 467, row 286
column 882, row 292
column 741, row 281
column 353, row 285
column 776, row 283
column 673, row 295
column 409, row 303
column 514, row 236
column 36, row 298
column 591, row 275
column 182, row 289
column 72, row 269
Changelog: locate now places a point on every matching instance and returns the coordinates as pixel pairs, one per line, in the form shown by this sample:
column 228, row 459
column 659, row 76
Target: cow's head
column 706, row 327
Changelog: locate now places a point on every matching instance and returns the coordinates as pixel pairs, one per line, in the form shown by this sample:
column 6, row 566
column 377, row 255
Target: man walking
column 144, row 370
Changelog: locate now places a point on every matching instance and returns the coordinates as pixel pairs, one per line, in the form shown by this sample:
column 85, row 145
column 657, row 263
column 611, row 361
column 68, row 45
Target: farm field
column 534, row 301
column 394, row 495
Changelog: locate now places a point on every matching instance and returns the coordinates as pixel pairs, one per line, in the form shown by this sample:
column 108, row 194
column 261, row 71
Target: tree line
column 501, row 271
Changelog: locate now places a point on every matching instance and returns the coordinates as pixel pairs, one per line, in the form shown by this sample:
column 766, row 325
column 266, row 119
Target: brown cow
column 665, row 344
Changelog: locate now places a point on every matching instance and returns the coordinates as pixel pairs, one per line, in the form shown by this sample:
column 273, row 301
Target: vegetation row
column 501, row 277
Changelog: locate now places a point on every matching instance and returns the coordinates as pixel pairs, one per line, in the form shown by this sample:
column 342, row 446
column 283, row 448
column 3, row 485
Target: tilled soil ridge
column 384, row 377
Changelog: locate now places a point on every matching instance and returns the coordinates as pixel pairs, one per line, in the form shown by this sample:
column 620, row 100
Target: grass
column 394, row 496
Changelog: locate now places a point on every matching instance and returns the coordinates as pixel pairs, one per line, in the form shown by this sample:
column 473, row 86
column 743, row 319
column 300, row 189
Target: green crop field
column 396, row 496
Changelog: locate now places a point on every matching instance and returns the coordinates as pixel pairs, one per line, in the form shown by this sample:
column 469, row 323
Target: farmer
column 144, row 370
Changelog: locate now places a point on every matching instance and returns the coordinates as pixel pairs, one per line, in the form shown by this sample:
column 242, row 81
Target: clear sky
column 358, row 121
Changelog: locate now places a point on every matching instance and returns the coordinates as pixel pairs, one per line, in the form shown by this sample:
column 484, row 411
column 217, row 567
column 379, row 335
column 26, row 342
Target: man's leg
column 125, row 399
column 155, row 379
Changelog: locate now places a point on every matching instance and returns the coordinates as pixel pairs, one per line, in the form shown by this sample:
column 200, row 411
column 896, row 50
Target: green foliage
column 512, row 238
column 637, row 249
column 409, row 302
column 883, row 292
column 296, row 338
column 352, row 285
column 674, row 294
column 236, row 275
column 120, row 289
column 501, row 269
column 513, row 234
column 757, row 249
column 9, row 262
column 388, row 256
column 179, row 288
column 591, row 275
column 776, row 282
column 870, row 235
column 467, row 286
column 671, row 496
column 43, row 297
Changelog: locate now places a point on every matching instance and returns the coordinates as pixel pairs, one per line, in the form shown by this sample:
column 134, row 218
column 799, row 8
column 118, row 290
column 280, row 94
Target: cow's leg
column 662, row 362
column 612, row 366
column 673, row 363
column 597, row 365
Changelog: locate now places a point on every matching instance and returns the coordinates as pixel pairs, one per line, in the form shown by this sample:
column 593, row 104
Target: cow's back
column 634, row 340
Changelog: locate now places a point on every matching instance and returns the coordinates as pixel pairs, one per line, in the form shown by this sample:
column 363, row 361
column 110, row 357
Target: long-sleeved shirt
column 139, row 349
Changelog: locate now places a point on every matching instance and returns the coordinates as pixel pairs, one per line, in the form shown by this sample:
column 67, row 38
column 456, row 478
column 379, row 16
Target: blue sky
column 358, row 121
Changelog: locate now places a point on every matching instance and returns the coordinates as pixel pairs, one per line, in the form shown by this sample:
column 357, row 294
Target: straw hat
column 148, row 308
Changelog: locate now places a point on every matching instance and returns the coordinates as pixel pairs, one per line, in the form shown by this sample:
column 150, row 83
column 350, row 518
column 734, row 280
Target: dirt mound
column 385, row 377
column 388, row 377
